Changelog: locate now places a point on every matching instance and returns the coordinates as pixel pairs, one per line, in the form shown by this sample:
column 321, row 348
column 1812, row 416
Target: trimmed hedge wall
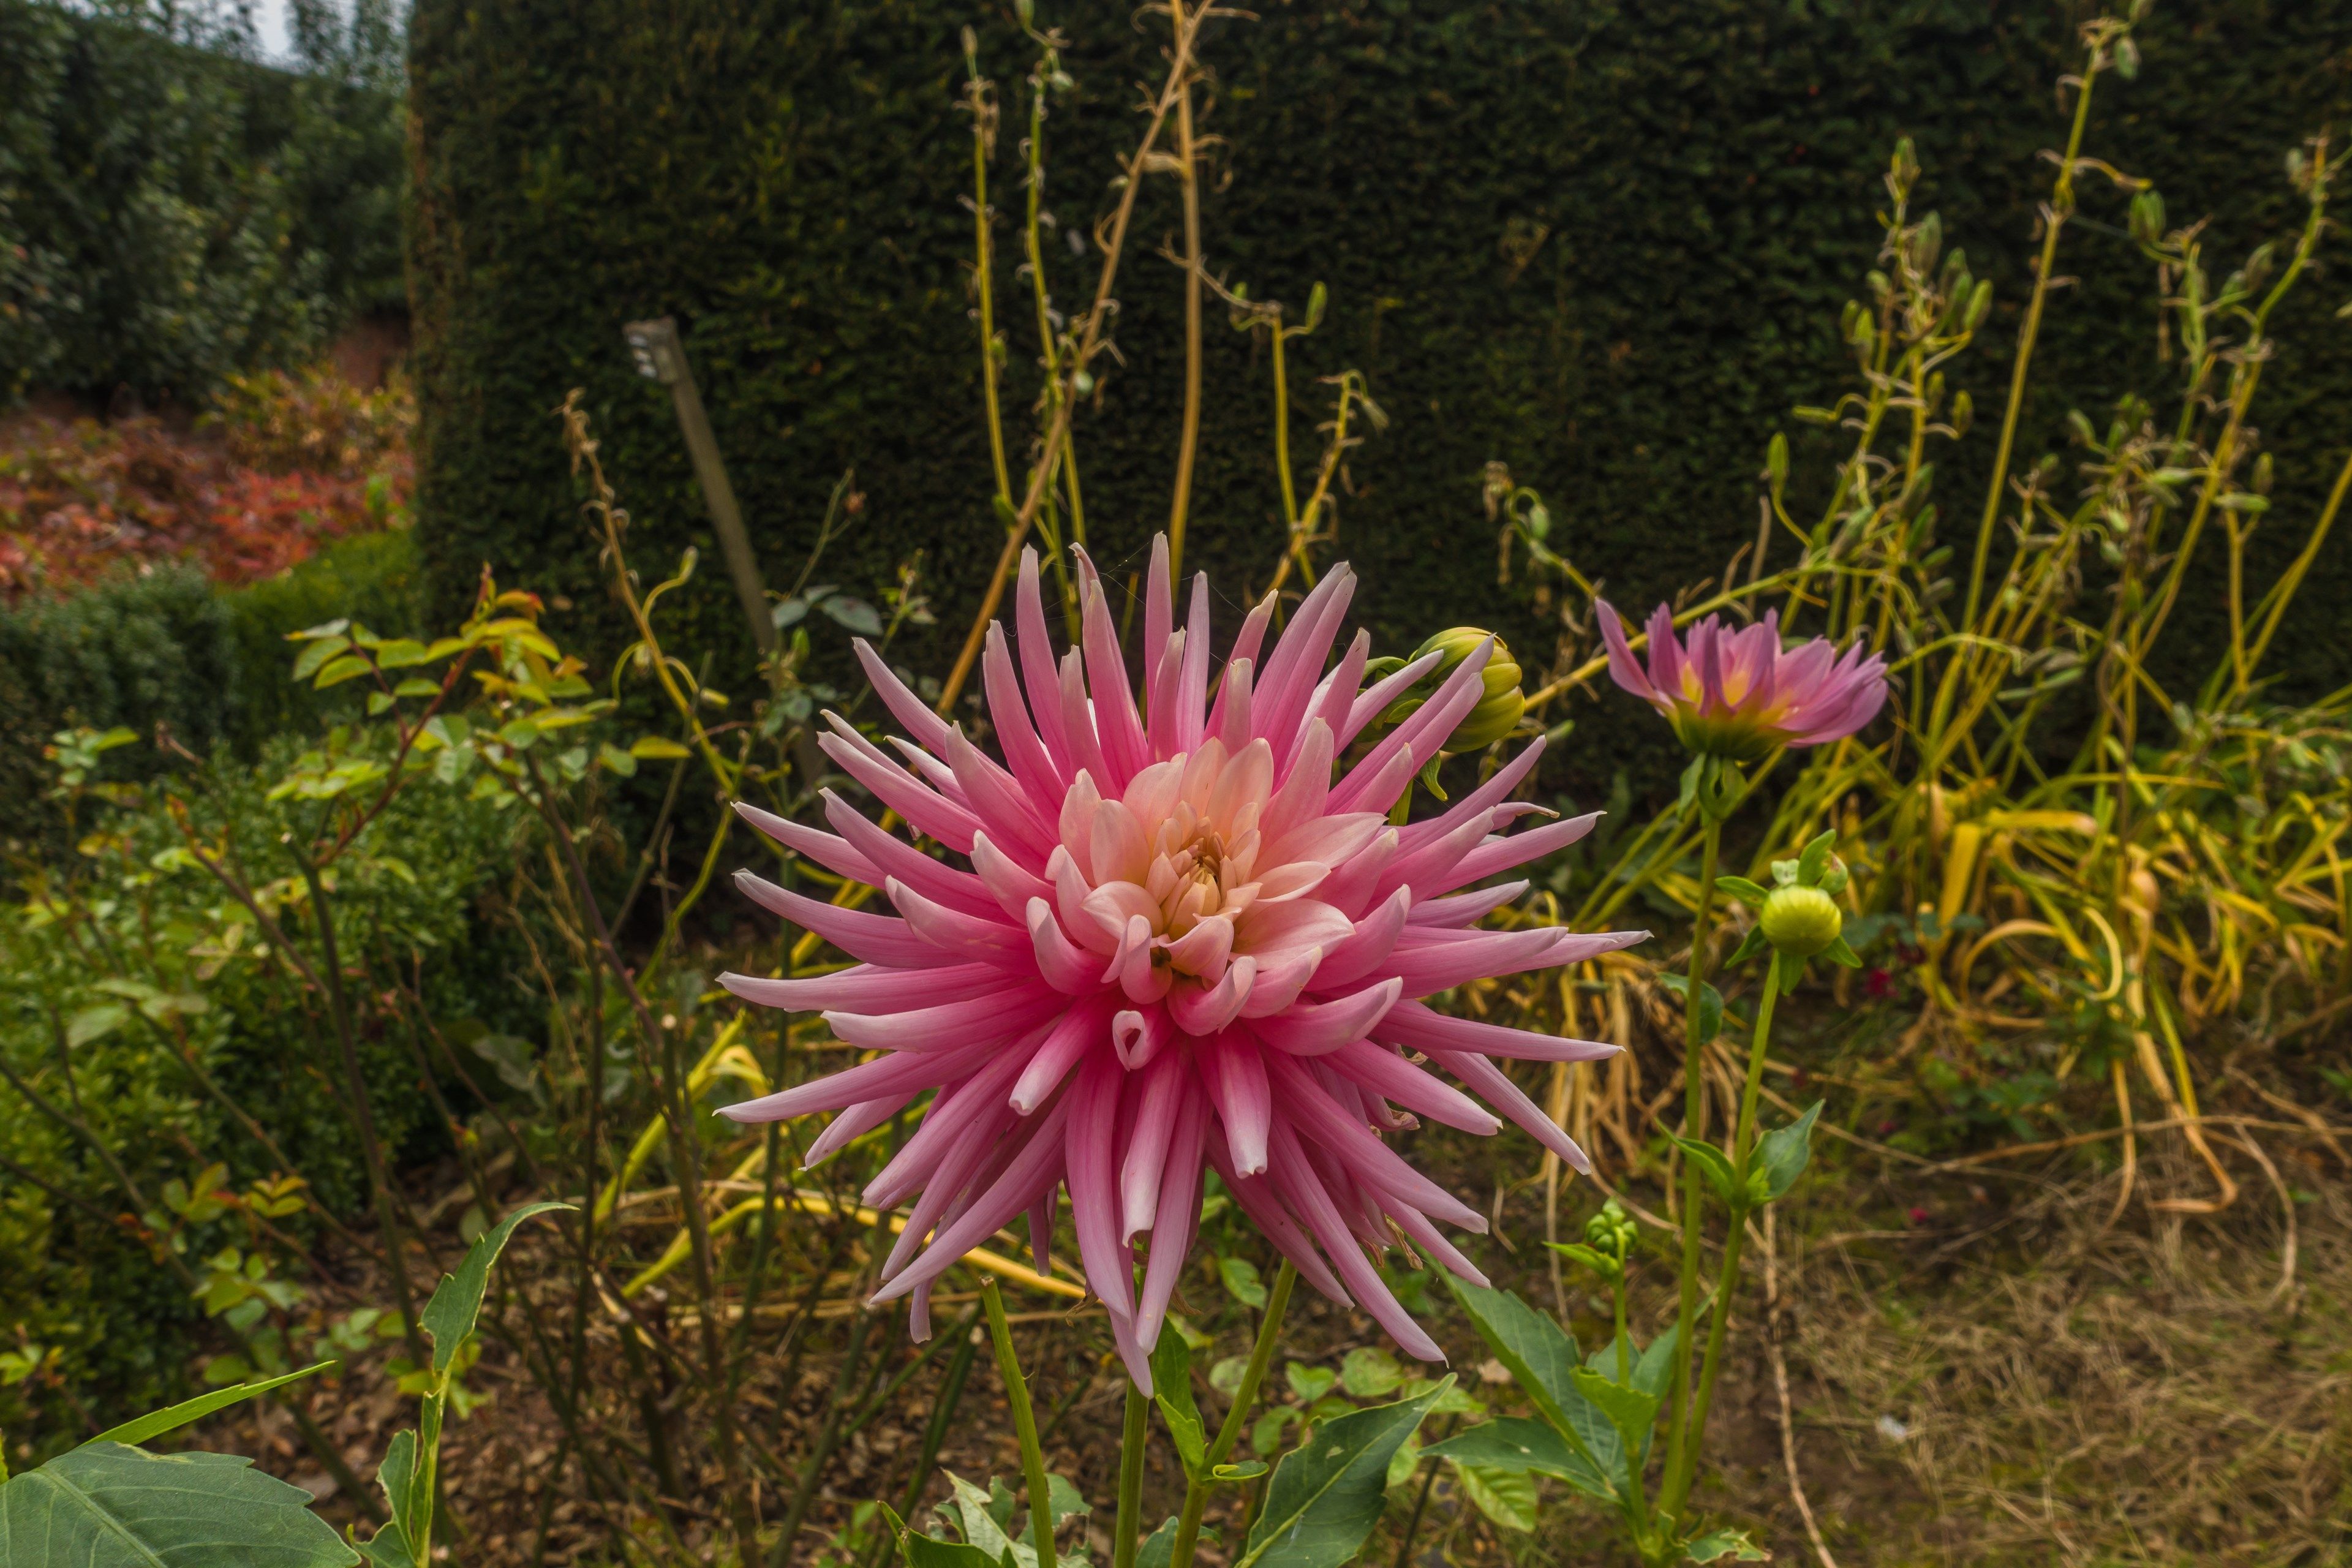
column 1605, row 244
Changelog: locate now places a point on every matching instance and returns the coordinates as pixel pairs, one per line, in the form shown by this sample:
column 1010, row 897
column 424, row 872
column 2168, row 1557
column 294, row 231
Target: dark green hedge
column 171, row 213
column 1703, row 173
column 169, row 647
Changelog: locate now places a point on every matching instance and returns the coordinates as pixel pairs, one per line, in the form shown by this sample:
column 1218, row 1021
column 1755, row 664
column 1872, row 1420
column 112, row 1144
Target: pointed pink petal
column 868, row 1080
column 1311, row 1029
column 1066, row 967
column 891, row 856
column 1138, row 1034
column 924, row 727
column 1162, row 1088
column 1488, row 1079
column 1384, row 693
column 1299, row 1188
column 1464, row 910
column 1008, row 713
column 832, row 853
column 1233, row 1070
column 930, row 811
column 1362, row 951
column 1177, row 1213
column 967, row 937
column 875, row 939
column 1037, row 667
column 950, row 1026
column 867, row 987
column 1081, row 1030
column 1029, row 1174
column 1205, row 1012
column 1623, row 669
column 1502, row 854
column 1384, row 1072
column 1418, row 1026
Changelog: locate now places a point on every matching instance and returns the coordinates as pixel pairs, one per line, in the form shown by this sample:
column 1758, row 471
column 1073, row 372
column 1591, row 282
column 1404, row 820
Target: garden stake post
column 661, row 357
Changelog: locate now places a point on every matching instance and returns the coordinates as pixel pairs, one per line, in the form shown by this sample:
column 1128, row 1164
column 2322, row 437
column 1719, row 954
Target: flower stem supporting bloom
column 1133, row 1435
column 1677, row 1481
column 1196, row 1490
column 1694, row 1105
column 1024, row 1423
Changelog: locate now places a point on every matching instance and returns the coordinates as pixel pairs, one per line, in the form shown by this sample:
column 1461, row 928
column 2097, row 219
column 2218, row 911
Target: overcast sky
column 269, row 20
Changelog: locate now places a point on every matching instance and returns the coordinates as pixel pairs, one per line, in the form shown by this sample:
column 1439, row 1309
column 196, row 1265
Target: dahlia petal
column 1301, row 1190
column 1079, row 730
column 875, row 939
column 1233, row 1070
column 1093, row 1183
column 950, row 1024
column 996, row 798
column 892, row 857
column 1205, row 950
column 1464, row 910
column 1349, row 887
column 1121, row 727
column 926, row 728
column 1278, row 985
column 1487, row 1079
column 1010, row 883
column 1252, row 638
column 1418, row 1026
column 1008, row 713
column 930, row 811
column 1665, row 657
column 1380, row 1070
column 867, row 1080
column 832, row 853
column 1425, row 731
column 1305, row 787
column 1138, row 1034
column 948, row 1119
column 1070, row 894
column 967, row 937
column 864, row 987
column 1117, row 852
column 1272, row 933
column 1080, row 1030
column 1478, row 804
column 1140, row 1172
column 1502, row 854
column 1258, row 1201
column 1335, row 698
column 1038, row 666
column 1329, row 838
column 1229, row 721
column 1205, row 1010
column 1315, row 1028
column 1066, row 966
column 1032, row 1171
column 933, row 771
column 1429, row 961
column 1428, row 866
column 1375, row 791
column 1192, row 683
column 1310, row 1108
column 1362, row 951
column 1425, row 1235
column 1163, row 709
column 1177, row 1213
column 1384, row 693
column 1623, row 669
column 1296, row 663
column 1159, row 611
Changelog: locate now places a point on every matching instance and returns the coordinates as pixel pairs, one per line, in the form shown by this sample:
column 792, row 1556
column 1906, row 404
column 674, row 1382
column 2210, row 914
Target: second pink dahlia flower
column 1739, row 694
column 1186, row 942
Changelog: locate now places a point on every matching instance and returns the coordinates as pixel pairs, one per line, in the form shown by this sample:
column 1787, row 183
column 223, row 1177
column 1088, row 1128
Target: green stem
column 1132, row 1436
column 1196, row 1488
column 1743, row 1146
column 1024, row 1423
column 1694, row 1108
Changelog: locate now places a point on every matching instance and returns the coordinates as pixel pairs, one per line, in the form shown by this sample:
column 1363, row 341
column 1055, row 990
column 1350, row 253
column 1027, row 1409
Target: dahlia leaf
column 155, row 1422
column 1717, row 1544
column 1171, row 1385
column 1517, row 1442
column 1507, row 1497
column 449, row 1317
column 1711, row 1163
column 108, row 1506
column 1782, row 1154
column 1325, row 1495
column 1631, row 1413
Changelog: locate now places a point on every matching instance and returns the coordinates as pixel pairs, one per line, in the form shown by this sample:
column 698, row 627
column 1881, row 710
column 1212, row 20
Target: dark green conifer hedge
column 1605, row 244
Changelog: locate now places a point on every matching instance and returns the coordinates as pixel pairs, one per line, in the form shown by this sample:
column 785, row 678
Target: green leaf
column 417, row 686
column 1711, row 1163
column 1171, row 1390
column 155, row 1422
column 983, row 1530
column 920, row 1551
column 855, row 615
column 1599, row 1262
column 1746, row 891
column 1241, row 1281
column 307, row 662
column 1309, row 1383
column 1631, row 1413
column 1815, row 858
column 1515, row 1443
column 1507, row 1497
column 1160, row 1545
column 1369, row 1372
column 1710, row 1003
column 396, row 1476
column 1327, row 1494
column 1717, row 1544
column 350, row 666
column 401, row 652
column 654, row 748
column 614, row 760
column 1538, row 1355
column 1656, row 1368
column 323, row 629
column 1782, row 1154
column 106, row 1506
column 95, row 1024
column 457, row 1302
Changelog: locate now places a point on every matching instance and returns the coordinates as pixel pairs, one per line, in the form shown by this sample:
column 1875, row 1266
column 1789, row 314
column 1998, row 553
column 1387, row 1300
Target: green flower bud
column 1802, row 922
column 1497, row 712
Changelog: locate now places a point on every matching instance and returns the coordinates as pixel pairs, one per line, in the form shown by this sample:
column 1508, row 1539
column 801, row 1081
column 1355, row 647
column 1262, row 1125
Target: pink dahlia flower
column 1739, row 694
column 1183, row 944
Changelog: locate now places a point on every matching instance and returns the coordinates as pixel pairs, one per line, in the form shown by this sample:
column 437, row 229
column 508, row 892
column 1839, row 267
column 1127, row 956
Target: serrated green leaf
column 1782, row 1154
column 1327, row 1494
column 1717, row 1544
column 1631, row 1413
column 920, row 1551
column 1711, row 1163
column 104, row 1505
column 1538, row 1355
column 1507, row 1497
column 1515, row 1442
column 155, row 1422
column 1171, row 1390
column 457, row 1302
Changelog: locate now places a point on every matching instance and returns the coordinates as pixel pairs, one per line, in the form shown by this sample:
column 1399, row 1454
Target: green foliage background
column 171, row 213
column 1605, row 244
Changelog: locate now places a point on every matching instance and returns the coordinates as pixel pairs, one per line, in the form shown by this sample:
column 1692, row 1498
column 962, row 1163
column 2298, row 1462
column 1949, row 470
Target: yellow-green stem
column 1196, row 1490
column 1133, row 1434
column 1694, row 1107
column 1024, row 1423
